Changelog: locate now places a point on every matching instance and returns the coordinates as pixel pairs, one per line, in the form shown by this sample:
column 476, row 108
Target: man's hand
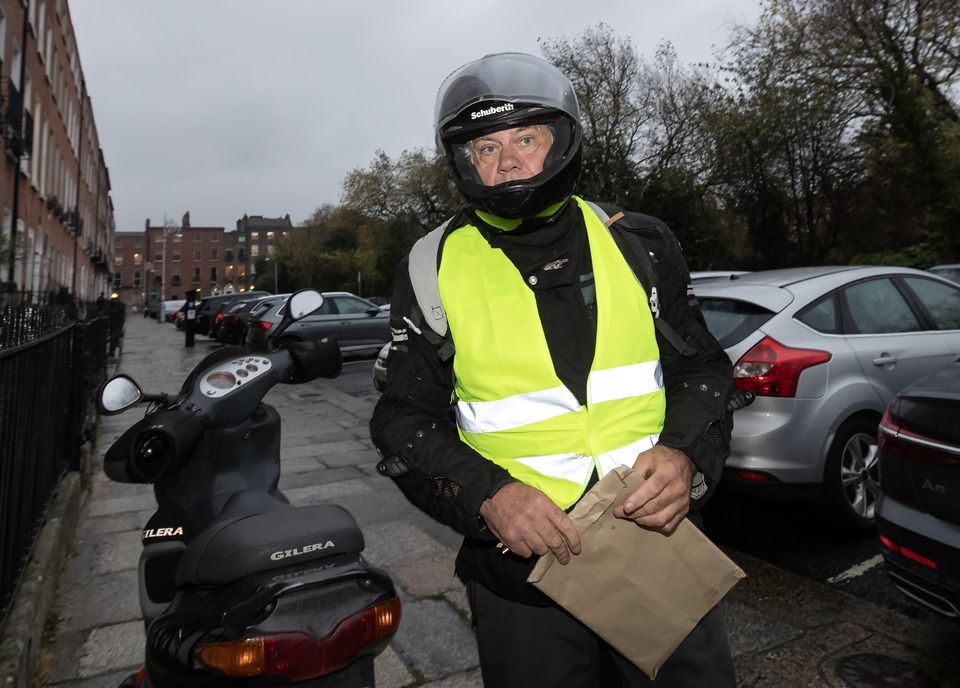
column 527, row 521
column 664, row 499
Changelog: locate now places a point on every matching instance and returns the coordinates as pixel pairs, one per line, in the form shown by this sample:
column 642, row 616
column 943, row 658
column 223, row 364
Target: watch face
column 698, row 487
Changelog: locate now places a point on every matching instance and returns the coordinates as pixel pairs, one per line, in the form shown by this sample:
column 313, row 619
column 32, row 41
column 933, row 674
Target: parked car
column 951, row 272
column 701, row 275
column 170, row 309
column 233, row 324
column 380, row 368
column 825, row 349
column 210, row 306
column 359, row 326
column 918, row 514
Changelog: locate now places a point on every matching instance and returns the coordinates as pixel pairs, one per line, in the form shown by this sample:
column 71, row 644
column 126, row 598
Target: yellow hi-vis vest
column 512, row 408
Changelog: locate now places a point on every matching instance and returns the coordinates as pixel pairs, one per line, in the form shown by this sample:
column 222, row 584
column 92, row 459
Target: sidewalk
column 784, row 630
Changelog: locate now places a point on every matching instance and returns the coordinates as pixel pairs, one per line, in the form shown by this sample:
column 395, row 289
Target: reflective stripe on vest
column 512, row 408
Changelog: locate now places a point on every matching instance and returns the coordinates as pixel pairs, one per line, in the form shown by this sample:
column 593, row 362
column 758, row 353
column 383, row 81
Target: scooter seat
column 238, row 546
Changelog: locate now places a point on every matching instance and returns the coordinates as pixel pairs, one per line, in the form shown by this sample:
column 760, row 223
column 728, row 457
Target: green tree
column 416, row 186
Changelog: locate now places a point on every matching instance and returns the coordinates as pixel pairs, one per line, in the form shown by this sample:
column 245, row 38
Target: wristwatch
column 698, row 486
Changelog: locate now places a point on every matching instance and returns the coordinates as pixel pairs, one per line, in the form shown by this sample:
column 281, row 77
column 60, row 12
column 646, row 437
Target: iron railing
column 47, row 386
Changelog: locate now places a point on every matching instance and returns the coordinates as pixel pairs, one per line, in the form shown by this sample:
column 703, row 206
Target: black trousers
column 524, row 646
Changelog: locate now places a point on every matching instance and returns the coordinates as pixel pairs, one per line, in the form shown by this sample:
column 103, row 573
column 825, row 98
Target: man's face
column 511, row 154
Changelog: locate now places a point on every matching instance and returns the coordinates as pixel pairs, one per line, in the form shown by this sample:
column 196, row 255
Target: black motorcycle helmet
column 500, row 92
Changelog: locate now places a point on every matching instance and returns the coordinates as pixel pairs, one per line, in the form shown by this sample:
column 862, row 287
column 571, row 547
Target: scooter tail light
column 297, row 656
column 264, row 325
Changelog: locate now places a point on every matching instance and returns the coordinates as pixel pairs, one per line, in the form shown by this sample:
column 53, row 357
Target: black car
column 918, row 514
column 210, row 306
column 233, row 324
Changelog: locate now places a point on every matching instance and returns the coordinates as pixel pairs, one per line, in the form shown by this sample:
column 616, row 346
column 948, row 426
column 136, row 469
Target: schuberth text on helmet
column 500, row 92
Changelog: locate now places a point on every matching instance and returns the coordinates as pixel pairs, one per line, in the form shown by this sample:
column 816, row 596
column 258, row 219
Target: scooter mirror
column 304, row 303
column 119, row 394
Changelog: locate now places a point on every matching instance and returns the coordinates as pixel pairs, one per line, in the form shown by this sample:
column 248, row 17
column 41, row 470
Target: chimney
column 185, row 223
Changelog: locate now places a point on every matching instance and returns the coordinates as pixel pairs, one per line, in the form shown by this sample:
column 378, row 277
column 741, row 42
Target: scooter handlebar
column 314, row 359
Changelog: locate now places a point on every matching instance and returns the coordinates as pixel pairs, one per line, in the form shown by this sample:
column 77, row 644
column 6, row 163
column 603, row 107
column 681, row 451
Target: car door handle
column 885, row 359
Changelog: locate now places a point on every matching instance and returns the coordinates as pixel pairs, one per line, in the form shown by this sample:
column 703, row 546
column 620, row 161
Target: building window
column 213, row 274
column 269, row 236
column 197, row 237
column 118, row 244
column 158, row 257
column 118, row 261
column 157, row 280
column 136, row 280
column 197, row 254
column 254, row 251
column 116, row 280
column 229, row 271
column 228, row 255
column 176, row 256
column 137, row 259
column 177, row 236
column 254, row 236
column 213, row 254
column 175, row 280
column 241, row 254
column 196, row 275
column 215, row 237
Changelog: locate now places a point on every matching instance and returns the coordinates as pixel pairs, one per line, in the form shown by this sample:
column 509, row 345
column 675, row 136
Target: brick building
column 57, row 215
column 255, row 238
column 173, row 259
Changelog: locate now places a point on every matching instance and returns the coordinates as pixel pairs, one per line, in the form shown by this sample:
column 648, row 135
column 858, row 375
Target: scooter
column 237, row 587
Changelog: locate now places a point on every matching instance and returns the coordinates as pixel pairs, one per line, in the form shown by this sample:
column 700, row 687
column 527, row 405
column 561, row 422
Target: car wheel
column 852, row 474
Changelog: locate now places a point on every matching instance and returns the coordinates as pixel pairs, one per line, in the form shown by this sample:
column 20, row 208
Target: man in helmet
column 537, row 344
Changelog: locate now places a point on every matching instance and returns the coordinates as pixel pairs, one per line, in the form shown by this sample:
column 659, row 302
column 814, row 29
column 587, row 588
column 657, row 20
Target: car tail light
column 896, row 438
column 908, row 553
column 770, row 369
column 264, row 325
column 219, row 317
column 753, row 476
column 297, row 656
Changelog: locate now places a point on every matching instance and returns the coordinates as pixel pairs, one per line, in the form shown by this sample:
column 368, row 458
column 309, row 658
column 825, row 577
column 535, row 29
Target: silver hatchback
column 825, row 349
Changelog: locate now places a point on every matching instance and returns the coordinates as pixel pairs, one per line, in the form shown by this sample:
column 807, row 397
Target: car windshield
column 730, row 321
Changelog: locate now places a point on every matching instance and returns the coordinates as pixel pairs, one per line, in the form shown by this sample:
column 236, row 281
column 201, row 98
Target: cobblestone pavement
column 784, row 630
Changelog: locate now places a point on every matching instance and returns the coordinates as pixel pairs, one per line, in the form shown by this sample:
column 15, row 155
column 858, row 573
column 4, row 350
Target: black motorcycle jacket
column 413, row 425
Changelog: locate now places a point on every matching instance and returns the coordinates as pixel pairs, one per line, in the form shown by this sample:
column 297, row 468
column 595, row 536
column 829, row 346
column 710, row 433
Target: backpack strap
column 424, row 267
column 429, row 319
column 637, row 256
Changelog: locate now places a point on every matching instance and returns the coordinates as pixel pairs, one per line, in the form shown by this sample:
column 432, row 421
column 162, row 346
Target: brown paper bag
column 639, row 590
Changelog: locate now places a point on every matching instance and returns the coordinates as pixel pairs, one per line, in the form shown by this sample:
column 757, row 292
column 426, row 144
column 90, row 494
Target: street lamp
column 169, row 227
column 271, row 259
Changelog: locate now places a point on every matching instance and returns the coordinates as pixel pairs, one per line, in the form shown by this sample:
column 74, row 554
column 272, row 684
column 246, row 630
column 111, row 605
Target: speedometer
column 221, row 380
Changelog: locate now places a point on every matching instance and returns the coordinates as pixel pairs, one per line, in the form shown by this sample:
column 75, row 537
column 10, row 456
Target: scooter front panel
column 233, row 374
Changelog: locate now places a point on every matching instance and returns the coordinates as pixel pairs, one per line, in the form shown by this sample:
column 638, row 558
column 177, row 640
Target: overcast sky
column 226, row 107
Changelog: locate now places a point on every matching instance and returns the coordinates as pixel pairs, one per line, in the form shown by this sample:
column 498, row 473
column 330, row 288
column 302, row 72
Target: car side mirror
column 373, row 311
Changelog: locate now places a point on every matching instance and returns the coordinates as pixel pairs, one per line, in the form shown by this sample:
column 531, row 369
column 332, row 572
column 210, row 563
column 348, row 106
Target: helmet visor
column 492, row 89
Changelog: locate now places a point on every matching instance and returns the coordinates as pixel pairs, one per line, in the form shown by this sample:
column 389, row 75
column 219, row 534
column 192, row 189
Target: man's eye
column 526, row 141
column 488, row 150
